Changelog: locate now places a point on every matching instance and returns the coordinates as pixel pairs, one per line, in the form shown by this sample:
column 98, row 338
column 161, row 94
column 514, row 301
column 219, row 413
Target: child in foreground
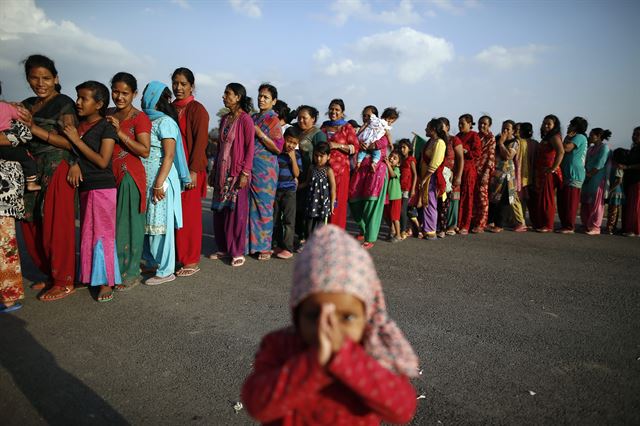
column 344, row 361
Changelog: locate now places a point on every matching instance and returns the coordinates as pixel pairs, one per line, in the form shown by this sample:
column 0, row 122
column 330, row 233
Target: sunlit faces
column 547, row 125
column 265, row 100
column 320, row 159
column 366, row 116
column 290, row 143
column 42, row 82
column 394, row 159
column 122, row 95
column 230, row 99
column 305, row 121
column 86, row 105
column 464, row 126
column 350, row 316
column 335, row 112
column 404, row 149
column 484, row 125
column 507, row 129
column 181, row 87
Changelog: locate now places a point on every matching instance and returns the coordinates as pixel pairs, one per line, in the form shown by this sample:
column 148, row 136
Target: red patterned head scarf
column 322, row 268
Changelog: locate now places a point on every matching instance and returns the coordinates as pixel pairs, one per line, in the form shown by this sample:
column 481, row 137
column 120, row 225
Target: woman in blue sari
column 264, row 178
column 167, row 175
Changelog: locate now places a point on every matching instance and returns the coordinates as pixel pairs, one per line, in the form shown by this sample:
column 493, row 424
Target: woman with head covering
column 167, row 175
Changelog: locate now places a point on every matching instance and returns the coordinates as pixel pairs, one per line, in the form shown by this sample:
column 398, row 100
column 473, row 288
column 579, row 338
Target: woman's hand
column 158, row 192
column 71, row 132
column 243, row 181
column 25, row 116
column 194, row 180
column 260, row 134
column 330, row 337
column 114, row 122
column 74, row 176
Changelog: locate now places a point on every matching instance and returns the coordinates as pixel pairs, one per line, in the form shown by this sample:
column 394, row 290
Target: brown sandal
column 56, row 293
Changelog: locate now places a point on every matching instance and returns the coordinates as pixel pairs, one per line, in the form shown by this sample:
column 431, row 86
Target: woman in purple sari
column 231, row 176
column 264, row 179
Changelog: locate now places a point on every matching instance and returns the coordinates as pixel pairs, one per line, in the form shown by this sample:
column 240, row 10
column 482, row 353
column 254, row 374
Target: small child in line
column 18, row 134
column 343, row 361
column 393, row 210
column 284, row 209
column 321, row 184
column 93, row 142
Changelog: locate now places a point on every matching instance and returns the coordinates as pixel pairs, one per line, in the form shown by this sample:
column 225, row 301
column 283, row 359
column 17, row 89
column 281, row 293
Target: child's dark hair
column 579, row 125
column 526, row 130
column 164, row 105
column 100, row 93
column 322, row 148
column 604, row 135
column 270, row 88
column 488, row 118
column 313, row 112
column 554, row 131
column 282, row 109
column 186, row 72
column 468, row 118
column 406, row 142
column 397, row 153
column 41, row 61
column 126, row 78
column 391, row 113
column 373, row 109
column 437, row 125
column 246, row 104
column 292, row 132
column 338, row 102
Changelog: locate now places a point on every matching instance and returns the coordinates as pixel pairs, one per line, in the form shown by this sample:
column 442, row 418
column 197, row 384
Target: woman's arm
column 568, row 145
column 169, row 150
column 50, row 137
column 100, row 159
column 506, row 153
column 414, row 180
column 556, row 143
column 458, row 163
column 332, row 186
column 140, row 145
column 266, row 141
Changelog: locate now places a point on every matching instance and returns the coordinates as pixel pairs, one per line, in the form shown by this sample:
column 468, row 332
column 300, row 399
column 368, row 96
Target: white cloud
column 213, row 80
column 322, row 54
column 506, row 58
column 346, row 66
column 403, row 14
column 184, row 4
column 454, row 7
column 250, row 8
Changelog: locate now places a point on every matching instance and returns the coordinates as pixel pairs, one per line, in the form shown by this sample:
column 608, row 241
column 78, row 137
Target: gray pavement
column 510, row 329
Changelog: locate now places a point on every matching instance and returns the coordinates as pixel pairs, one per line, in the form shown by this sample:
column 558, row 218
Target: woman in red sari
column 344, row 143
column 485, row 165
column 548, row 176
column 193, row 121
column 472, row 148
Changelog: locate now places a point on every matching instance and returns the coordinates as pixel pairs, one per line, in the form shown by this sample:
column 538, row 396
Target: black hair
column 438, row 126
column 621, row 155
column 488, row 118
column 579, row 125
column 468, row 118
column 338, row 102
column 99, row 92
column 322, row 148
column 41, row 61
column 313, row 113
column 0, row 88
column 373, row 109
column 292, row 132
column 396, row 152
column 186, row 72
column 526, row 130
column 554, row 131
column 407, row 143
column 354, row 123
column 513, row 124
column 164, row 104
column 271, row 88
column 282, row 109
column 445, row 120
column 390, row 113
column 604, row 135
column 126, row 78
column 246, row 104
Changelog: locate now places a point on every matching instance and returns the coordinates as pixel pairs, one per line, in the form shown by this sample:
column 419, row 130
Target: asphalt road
column 510, row 329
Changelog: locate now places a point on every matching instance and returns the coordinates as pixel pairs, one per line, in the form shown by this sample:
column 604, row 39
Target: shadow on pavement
column 59, row 397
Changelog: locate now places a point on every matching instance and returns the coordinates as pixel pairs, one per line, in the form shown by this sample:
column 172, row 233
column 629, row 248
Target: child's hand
column 74, row 176
column 71, row 132
column 330, row 337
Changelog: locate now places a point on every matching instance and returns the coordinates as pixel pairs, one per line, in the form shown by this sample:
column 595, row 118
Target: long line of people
column 273, row 182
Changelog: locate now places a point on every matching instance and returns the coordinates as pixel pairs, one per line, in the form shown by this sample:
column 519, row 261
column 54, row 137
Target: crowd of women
column 273, row 182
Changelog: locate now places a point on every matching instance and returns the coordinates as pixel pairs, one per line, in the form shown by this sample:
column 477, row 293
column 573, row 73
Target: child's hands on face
column 330, row 337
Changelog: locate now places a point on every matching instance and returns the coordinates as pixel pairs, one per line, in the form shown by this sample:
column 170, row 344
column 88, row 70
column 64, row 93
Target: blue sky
column 510, row 59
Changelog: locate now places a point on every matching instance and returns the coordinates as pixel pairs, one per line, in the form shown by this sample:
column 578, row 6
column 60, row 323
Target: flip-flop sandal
column 219, row 255
column 106, row 297
column 62, row 293
column 367, row 245
column 187, row 272
column 264, row 256
column 238, row 261
column 7, row 309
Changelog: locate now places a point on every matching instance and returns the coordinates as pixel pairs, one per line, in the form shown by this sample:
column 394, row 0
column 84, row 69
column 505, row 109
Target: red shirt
column 406, row 174
column 289, row 387
column 472, row 144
